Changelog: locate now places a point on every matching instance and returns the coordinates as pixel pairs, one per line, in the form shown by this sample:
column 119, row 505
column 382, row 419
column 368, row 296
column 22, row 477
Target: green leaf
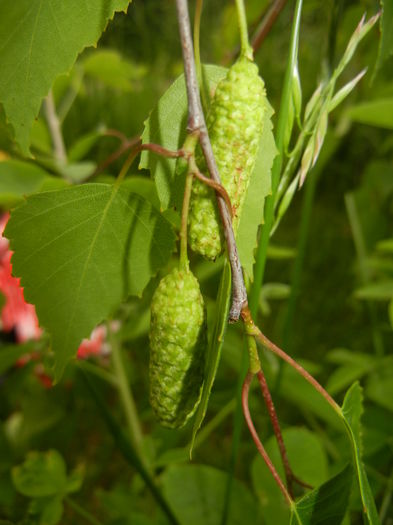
column 49, row 510
column 10, row 354
column 196, row 494
column 39, row 41
column 385, row 246
column 374, row 113
column 259, row 188
column 302, row 395
column 81, row 147
column 379, row 386
column 380, row 291
column 75, row 480
column 386, row 26
column 18, row 179
column 352, row 410
column 215, row 347
column 80, row 252
column 166, row 125
column 113, row 70
column 308, row 460
column 353, row 366
column 325, row 505
column 41, row 474
column 144, row 187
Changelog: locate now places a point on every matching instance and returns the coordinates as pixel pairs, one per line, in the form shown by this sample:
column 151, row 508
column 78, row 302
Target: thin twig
column 196, row 123
column 268, row 19
column 252, row 329
column 257, row 441
column 189, row 151
column 78, row 509
column 127, row 398
column 53, row 121
column 115, row 133
column 135, row 145
column 289, row 475
column 276, row 428
column 219, row 188
column 123, row 148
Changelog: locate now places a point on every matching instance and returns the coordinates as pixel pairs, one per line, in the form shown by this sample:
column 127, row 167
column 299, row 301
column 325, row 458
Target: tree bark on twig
column 196, row 124
column 53, row 121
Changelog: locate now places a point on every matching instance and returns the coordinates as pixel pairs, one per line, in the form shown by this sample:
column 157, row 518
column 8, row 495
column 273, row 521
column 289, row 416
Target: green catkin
column 235, row 122
column 178, row 344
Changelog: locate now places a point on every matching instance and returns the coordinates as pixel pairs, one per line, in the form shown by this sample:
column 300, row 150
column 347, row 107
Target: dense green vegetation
column 79, row 442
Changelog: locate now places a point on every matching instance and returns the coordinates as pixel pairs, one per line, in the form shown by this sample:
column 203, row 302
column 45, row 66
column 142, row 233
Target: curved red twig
column 257, row 441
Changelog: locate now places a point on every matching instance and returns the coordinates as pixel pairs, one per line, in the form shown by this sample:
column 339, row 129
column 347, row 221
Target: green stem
column 361, row 252
column 245, row 48
column 197, row 34
column 254, row 362
column 238, row 423
column 260, row 264
column 97, row 371
column 126, row 397
column 189, row 146
column 81, row 511
column 126, row 166
column 124, row 446
column 184, row 263
column 54, row 128
column 214, row 423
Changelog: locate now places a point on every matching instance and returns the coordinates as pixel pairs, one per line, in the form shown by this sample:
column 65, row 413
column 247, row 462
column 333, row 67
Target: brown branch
column 196, row 123
column 217, row 187
column 257, row 441
column 123, row 148
column 268, row 19
column 115, row 133
column 135, row 143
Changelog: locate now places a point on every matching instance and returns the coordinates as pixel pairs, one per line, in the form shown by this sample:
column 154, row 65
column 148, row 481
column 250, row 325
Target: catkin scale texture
column 235, row 123
column 178, row 343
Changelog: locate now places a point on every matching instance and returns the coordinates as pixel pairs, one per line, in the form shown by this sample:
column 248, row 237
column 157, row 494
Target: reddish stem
column 257, row 441
column 116, row 133
column 267, row 23
column 289, row 475
column 136, row 143
column 125, row 146
column 160, row 150
column 219, row 188
column 276, row 428
column 252, row 329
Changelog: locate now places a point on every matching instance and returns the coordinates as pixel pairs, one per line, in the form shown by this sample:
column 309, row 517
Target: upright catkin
column 235, row 123
column 178, row 344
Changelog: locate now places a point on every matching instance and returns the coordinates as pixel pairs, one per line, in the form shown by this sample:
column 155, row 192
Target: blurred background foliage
column 334, row 311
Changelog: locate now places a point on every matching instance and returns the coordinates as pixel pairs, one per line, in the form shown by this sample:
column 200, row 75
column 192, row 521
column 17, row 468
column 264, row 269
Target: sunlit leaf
column 38, row 41
column 325, row 505
column 42, row 474
column 215, row 346
column 166, row 125
column 80, row 252
column 352, row 410
column 308, row 461
column 196, row 494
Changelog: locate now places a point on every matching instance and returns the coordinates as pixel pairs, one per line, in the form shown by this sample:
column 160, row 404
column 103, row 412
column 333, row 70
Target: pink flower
column 95, row 345
column 16, row 313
